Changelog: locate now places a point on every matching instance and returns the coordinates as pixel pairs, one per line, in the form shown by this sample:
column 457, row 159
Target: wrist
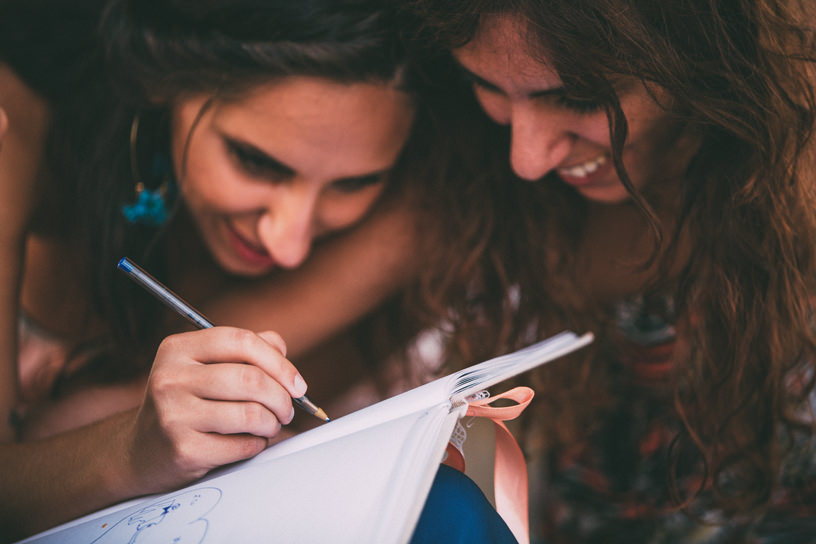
column 121, row 479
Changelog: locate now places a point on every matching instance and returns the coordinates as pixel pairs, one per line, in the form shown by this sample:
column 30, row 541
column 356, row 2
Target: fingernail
column 299, row 386
column 291, row 415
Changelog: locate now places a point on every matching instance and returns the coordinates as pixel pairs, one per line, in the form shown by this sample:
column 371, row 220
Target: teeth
column 583, row 170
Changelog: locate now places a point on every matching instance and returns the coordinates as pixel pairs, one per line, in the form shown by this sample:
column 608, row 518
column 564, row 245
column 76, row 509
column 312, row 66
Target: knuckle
column 170, row 343
column 272, row 337
column 163, row 382
column 171, row 424
column 250, row 378
column 242, row 338
column 254, row 415
column 186, row 455
column 259, row 421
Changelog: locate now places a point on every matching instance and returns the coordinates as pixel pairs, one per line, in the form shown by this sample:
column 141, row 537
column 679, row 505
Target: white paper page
column 410, row 487
column 498, row 369
column 406, row 403
column 464, row 383
column 411, row 401
column 358, row 488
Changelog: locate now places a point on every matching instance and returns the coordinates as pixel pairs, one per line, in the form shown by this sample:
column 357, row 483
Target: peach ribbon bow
column 510, row 468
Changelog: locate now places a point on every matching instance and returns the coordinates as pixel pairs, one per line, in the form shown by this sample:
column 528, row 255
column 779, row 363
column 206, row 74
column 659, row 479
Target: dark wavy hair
column 157, row 51
column 740, row 73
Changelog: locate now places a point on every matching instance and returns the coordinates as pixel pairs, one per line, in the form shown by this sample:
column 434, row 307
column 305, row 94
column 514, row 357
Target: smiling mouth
column 246, row 250
column 584, row 169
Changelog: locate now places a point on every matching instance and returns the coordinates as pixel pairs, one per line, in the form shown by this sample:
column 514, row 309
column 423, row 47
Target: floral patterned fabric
column 613, row 487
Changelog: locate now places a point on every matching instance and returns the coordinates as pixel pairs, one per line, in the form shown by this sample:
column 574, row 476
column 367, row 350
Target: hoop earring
column 150, row 206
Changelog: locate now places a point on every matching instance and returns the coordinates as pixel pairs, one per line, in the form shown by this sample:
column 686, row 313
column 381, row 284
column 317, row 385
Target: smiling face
column 290, row 162
column 553, row 132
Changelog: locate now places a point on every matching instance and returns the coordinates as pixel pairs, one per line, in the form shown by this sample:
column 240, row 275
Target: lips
column 587, row 173
column 249, row 253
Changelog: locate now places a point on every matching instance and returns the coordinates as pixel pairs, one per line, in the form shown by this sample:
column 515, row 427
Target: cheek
column 496, row 107
column 338, row 211
column 198, row 185
column 646, row 117
column 210, row 180
column 593, row 127
column 205, row 172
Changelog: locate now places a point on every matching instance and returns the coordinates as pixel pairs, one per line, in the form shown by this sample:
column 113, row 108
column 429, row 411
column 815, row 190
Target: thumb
column 271, row 337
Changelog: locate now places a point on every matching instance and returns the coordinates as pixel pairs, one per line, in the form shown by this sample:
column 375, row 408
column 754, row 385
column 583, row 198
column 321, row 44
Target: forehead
column 501, row 53
column 298, row 117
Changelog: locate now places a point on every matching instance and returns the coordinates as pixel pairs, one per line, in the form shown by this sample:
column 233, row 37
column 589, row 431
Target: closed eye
column 258, row 164
column 478, row 82
column 255, row 162
column 578, row 105
column 558, row 94
column 351, row 185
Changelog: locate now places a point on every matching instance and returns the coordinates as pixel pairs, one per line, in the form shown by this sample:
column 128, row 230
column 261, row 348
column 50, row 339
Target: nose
column 539, row 143
column 285, row 228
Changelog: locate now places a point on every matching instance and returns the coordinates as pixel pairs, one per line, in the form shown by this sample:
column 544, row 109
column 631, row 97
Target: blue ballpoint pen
column 154, row 286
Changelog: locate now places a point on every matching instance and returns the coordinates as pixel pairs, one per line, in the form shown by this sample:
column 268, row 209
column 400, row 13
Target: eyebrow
column 482, row 82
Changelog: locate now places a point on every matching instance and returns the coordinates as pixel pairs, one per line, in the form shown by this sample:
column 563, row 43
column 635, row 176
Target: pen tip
column 322, row 415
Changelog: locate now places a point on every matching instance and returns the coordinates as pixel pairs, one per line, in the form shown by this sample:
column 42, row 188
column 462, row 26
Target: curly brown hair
column 740, row 74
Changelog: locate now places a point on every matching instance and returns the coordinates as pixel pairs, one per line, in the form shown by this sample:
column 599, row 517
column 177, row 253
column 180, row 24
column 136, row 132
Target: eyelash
column 573, row 104
column 261, row 167
column 579, row 105
column 352, row 185
column 253, row 164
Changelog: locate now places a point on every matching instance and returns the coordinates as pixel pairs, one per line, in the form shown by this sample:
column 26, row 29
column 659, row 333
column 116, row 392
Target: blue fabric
column 457, row 511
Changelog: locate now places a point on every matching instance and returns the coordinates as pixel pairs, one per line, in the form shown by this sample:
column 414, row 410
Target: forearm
column 48, row 482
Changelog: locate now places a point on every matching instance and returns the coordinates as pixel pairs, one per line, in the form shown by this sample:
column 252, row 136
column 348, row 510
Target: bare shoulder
column 21, row 157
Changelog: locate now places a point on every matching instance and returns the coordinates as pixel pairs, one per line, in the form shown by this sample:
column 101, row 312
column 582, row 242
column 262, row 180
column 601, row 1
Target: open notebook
column 363, row 477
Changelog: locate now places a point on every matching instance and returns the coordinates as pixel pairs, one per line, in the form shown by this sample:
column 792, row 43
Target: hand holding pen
column 175, row 302
column 214, row 396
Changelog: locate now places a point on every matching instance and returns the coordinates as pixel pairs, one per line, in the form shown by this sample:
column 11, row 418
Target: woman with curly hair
column 662, row 195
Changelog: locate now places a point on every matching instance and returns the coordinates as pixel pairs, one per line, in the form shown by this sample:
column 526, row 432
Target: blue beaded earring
column 150, row 206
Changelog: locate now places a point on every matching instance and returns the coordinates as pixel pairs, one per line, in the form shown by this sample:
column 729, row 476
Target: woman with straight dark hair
column 220, row 143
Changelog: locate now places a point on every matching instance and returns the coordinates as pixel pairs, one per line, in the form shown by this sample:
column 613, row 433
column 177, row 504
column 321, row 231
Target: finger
column 275, row 339
column 211, row 450
column 281, row 436
column 241, row 382
column 237, row 418
column 235, row 447
column 233, row 345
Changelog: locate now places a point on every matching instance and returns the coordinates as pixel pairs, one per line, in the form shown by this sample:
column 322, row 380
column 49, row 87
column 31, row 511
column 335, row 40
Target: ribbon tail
column 510, row 466
column 510, row 477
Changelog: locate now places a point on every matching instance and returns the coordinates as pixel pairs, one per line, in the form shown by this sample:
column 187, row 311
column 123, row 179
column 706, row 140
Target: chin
column 606, row 195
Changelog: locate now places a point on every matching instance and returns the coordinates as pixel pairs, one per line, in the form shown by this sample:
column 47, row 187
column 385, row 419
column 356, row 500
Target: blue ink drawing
column 178, row 519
